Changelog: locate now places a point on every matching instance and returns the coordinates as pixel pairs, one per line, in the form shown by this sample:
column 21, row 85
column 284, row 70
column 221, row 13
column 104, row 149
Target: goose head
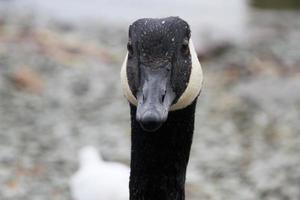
column 161, row 72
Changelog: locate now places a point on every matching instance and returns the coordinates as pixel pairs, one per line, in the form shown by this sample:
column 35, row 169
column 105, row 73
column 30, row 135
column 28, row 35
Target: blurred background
column 60, row 90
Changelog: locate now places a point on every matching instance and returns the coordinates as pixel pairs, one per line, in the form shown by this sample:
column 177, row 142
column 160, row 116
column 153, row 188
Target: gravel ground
column 60, row 90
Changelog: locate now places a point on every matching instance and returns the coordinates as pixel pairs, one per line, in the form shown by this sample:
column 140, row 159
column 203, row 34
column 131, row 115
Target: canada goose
column 97, row 179
column 161, row 78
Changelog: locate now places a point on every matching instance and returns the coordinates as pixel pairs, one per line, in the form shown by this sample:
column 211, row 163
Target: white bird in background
column 97, row 179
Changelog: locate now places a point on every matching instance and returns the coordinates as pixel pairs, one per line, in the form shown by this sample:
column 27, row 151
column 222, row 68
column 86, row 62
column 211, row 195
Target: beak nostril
column 163, row 97
column 144, row 98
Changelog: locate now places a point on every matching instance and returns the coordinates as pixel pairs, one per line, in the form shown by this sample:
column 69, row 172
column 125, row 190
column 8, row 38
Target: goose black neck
column 159, row 159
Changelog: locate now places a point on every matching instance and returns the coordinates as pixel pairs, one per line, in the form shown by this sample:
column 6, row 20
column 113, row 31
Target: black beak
column 155, row 97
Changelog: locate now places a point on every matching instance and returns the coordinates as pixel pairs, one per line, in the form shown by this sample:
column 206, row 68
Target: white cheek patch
column 124, row 82
column 190, row 93
column 194, row 86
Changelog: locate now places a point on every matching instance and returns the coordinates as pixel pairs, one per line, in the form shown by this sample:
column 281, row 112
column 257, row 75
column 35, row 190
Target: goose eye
column 185, row 48
column 129, row 48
